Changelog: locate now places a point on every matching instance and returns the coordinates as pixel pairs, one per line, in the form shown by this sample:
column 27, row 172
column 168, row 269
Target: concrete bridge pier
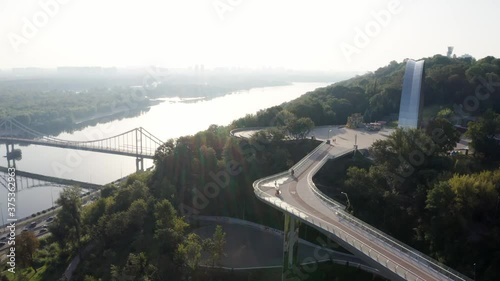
column 290, row 248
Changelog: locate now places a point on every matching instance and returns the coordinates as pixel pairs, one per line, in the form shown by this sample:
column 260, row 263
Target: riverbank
column 115, row 112
column 165, row 120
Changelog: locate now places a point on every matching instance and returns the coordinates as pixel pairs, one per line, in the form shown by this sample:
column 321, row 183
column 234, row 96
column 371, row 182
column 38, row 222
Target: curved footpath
column 301, row 199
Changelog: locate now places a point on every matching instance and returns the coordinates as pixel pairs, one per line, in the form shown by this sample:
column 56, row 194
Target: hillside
column 448, row 203
column 464, row 85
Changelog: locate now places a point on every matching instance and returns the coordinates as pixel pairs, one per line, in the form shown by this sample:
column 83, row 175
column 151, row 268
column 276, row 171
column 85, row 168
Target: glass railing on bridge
column 433, row 267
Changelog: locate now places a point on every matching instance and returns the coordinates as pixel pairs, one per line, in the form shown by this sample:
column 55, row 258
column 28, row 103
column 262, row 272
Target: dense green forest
column 60, row 108
column 464, row 85
column 448, row 203
column 136, row 230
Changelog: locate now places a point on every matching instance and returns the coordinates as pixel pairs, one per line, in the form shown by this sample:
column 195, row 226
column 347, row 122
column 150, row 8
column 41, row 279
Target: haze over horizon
column 313, row 35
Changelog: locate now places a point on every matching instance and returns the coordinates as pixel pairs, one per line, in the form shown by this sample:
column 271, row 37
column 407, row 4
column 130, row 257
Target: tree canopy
column 464, row 86
column 485, row 134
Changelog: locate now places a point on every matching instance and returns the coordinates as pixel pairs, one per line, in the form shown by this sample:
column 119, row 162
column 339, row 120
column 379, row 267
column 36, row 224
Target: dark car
column 43, row 230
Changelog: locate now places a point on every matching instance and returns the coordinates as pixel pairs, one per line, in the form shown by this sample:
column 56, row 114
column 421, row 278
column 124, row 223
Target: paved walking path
column 303, row 200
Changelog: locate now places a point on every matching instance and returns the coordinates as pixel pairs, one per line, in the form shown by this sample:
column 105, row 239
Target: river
column 170, row 119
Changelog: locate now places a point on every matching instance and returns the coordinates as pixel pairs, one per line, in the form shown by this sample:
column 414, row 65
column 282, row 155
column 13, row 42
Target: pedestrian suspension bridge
column 137, row 142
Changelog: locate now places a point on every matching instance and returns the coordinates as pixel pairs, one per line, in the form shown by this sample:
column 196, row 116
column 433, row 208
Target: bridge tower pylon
column 290, row 248
column 139, row 161
column 11, row 164
column 9, row 149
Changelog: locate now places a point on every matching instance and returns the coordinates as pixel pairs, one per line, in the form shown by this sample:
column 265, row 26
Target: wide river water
column 170, row 119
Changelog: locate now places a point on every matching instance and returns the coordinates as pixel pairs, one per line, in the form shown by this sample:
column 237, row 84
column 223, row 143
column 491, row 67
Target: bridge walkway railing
column 433, row 267
column 123, row 148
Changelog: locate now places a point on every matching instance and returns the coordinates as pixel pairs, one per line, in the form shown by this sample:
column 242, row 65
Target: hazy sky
column 298, row 34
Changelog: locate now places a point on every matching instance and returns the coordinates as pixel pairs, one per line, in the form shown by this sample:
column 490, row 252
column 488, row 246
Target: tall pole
column 348, row 201
column 10, row 151
column 137, row 143
column 474, row 271
column 139, row 161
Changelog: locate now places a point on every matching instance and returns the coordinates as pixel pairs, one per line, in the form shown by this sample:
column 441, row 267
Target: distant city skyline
column 319, row 35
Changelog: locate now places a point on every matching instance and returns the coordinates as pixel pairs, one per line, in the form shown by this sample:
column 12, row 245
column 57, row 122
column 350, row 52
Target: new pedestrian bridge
column 302, row 203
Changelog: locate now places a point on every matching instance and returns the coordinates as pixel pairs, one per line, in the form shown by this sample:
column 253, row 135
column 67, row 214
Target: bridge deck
column 54, row 180
column 301, row 198
column 79, row 146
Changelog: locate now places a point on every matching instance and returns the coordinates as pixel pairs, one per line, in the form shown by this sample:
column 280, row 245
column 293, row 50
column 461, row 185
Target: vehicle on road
column 33, row 224
column 42, row 231
column 50, row 219
column 3, row 244
column 3, row 239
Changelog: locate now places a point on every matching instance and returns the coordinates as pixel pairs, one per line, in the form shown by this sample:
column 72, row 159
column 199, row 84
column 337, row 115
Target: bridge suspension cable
column 135, row 142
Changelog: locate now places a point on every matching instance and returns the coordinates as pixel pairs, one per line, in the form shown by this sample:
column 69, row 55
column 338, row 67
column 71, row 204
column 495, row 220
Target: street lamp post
column 328, row 140
column 474, row 271
column 348, row 201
